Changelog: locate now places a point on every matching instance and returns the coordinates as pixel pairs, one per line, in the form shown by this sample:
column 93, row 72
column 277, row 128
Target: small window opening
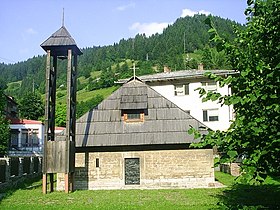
column 133, row 115
column 97, row 162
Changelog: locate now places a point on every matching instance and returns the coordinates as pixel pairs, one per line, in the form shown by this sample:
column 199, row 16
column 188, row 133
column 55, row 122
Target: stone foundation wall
column 158, row 169
column 230, row 168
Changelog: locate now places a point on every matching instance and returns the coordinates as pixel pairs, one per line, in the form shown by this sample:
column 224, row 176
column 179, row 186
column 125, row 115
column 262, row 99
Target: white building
column 27, row 137
column 180, row 88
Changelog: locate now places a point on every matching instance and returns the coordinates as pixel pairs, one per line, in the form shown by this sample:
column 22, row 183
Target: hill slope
column 186, row 35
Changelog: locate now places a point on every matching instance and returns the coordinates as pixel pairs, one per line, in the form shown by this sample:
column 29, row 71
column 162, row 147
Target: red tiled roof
column 25, row 121
column 59, row 128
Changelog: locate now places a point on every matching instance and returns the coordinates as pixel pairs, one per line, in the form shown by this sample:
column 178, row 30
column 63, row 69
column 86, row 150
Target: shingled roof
column 60, row 40
column 164, row 123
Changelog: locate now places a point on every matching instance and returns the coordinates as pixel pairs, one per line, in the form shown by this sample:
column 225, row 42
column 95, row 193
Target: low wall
column 14, row 170
column 230, row 168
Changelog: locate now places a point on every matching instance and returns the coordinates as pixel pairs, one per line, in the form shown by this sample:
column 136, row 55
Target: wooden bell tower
column 59, row 151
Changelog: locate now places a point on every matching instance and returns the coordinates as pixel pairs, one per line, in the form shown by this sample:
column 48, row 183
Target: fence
column 17, row 169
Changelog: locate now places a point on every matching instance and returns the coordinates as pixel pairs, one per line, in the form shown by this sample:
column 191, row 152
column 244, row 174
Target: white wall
column 194, row 103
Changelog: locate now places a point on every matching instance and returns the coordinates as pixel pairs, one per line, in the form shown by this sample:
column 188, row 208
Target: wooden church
column 137, row 139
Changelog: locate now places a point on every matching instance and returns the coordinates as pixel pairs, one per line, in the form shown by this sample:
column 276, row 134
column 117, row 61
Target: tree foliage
column 4, row 126
column 31, row 106
column 60, row 115
column 256, row 93
column 214, row 59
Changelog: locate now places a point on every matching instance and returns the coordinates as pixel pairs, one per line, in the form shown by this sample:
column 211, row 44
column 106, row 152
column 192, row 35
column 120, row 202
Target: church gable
column 135, row 114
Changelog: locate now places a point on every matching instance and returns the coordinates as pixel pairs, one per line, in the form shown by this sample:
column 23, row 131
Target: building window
column 181, row 90
column 30, row 137
column 14, row 138
column 34, row 137
column 133, row 115
column 210, row 115
column 97, row 162
column 209, row 86
column 24, row 137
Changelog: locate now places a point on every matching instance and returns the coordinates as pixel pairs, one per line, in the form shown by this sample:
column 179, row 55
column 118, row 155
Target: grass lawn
column 231, row 197
column 84, row 95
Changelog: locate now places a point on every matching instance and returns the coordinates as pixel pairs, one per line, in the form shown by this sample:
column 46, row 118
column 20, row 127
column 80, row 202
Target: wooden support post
column 69, row 96
column 47, row 102
column 70, row 121
column 45, row 183
column 52, row 99
column 66, row 181
column 51, row 183
column 47, row 121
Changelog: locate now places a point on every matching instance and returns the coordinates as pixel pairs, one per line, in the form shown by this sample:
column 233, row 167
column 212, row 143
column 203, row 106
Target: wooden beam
column 47, row 109
column 44, row 187
column 66, row 182
column 53, row 98
column 69, row 97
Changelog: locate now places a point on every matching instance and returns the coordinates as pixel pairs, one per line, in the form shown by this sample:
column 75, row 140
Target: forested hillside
column 182, row 45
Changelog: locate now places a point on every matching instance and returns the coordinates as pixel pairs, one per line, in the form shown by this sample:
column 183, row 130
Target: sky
column 25, row 24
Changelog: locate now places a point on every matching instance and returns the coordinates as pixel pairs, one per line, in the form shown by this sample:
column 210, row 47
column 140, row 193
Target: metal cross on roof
column 134, row 71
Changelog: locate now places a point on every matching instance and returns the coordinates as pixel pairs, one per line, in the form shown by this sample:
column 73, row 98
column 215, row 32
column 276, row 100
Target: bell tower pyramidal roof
column 59, row 42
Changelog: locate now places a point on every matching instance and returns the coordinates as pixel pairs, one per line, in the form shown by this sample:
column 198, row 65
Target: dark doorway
column 132, row 171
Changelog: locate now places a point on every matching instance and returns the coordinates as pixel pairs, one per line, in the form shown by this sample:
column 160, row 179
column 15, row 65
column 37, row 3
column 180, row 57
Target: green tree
column 60, row 115
column 31, row 106
column 4, row 126
column 255, row 130
column 213, row 59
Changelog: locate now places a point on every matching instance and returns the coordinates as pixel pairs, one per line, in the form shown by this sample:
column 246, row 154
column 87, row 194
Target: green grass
column 95, row 74
column 113, row 199
column 84, row 95
column 13, row 86
column 224, row 178
column 231, row 197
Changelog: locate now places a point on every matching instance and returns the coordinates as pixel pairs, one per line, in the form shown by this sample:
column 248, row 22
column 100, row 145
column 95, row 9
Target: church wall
column 162, row 169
